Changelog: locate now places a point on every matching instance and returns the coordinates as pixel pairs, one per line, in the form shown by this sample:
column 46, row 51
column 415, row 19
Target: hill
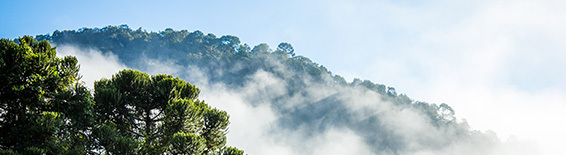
column 308, row 100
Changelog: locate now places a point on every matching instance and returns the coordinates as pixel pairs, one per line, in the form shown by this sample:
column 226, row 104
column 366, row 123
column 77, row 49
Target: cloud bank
column 259, row 127
column 329, row 119
column 497, row 63
column 265, row 119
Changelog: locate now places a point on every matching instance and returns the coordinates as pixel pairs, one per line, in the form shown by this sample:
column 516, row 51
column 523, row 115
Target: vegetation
column 42, row 107
column 226, row 55
column 226, row 60
column 44, row 110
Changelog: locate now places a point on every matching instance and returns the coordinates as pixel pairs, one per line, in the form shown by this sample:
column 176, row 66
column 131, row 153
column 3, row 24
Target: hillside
column 307, row 99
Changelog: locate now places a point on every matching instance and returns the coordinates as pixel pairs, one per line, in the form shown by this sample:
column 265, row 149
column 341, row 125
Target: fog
column 93, row 64
column 320, row 119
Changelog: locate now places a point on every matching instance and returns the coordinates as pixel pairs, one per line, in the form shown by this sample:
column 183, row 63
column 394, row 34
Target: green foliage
column 160, row 113
column 33, row 150
column 44, row 110
column 42, row 107
column 186, row 143
column 110, row 139
column 219, row 54
column 215, row 128
column 232, row 151
column 183, row 116
column 7, row 152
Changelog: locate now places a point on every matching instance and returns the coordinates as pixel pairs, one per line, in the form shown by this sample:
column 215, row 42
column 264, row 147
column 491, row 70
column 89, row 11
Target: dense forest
column 307, row 98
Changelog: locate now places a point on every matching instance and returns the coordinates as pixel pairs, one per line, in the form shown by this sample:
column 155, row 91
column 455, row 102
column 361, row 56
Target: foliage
column 232, row 151
column 186, row 143
column 155, row 115
column 44, row 110
column 42, row 107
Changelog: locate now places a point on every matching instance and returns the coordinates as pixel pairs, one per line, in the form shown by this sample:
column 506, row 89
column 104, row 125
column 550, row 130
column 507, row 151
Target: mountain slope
column 307, row 99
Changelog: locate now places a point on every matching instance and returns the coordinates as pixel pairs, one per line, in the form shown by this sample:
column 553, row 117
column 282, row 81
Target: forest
column 44, row 109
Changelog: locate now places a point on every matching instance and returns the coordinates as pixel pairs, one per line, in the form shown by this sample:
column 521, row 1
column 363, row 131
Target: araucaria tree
column 43, row 110
column 143, row 114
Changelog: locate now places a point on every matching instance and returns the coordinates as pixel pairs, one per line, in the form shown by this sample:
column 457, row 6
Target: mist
column 319, row 119
column 498, row 64
column 94, row 65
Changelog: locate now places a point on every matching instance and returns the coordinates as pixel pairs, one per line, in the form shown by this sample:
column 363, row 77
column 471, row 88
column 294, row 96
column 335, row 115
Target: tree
column 160, row 113
column 43, row 109
column 445, row 112
column 287, row 48
column 391, row 91
column 229, row 43
column 261, row 48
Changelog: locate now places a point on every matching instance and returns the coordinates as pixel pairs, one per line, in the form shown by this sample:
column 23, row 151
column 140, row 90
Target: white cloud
column 94, row 64
column 152, row 66
column 248, row 124
column 498, row 63
column 336, row 141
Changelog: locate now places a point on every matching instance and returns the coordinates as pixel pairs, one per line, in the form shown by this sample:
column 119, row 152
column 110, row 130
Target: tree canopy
column 155, row 115
column 45, row 110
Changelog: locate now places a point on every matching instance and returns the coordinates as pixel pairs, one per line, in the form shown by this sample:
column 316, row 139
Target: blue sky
column 500, row 63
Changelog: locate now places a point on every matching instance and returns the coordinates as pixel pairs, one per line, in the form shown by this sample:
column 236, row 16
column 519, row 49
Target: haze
column 499, row 64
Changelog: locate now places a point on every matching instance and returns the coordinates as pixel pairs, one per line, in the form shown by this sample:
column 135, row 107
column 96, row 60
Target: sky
column 498, row 63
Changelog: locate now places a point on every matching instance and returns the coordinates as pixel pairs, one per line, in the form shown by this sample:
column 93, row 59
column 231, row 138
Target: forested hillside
column 307, row 98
